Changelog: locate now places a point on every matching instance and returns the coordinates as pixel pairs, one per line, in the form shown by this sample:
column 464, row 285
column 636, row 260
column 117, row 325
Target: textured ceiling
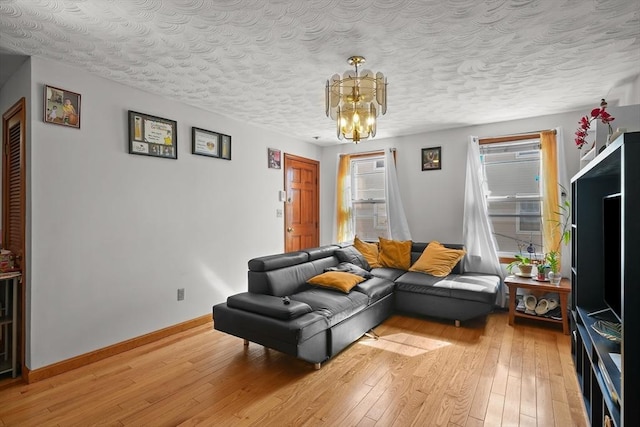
column 449, row 63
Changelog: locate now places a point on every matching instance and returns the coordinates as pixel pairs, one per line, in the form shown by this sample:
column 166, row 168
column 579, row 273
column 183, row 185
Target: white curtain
column 482, row 253
column 398, row 227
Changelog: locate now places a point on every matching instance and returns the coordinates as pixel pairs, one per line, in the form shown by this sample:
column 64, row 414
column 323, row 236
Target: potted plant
column 552, row 258
column 523, row 263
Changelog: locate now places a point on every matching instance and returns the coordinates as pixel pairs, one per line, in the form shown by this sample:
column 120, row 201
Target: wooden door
column 302, row 209
column 13, row 201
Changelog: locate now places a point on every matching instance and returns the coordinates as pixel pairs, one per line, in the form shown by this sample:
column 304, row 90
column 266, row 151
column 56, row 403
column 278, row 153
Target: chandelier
column 355, row 101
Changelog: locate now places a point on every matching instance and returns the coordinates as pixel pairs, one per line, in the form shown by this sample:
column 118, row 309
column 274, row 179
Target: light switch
column 278, row 213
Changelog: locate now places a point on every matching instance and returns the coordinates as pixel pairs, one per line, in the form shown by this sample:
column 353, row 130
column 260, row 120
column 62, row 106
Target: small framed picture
column 61, row 107
column 431, row 158
column 152, row 136
column 205, row 142
column 225, row 146
column 273, row 157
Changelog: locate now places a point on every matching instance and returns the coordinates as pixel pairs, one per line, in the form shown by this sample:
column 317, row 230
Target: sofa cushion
column 388, row 273
column 368, row 250
column 375, row 288
column 437, row 260
column 395, row 253
column 417, row 248
column 347, row 267
column 468, row 286
column 335, row 306
column 352, row 255
column 321, row 252
column 273, row 262
column 268, row 305
column 338, row 280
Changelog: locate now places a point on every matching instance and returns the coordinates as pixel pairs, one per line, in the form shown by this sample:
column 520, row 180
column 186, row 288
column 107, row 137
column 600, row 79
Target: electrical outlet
column 181, row 294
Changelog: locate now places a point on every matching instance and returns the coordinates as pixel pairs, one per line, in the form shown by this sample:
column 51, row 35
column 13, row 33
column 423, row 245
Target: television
column 612, row 256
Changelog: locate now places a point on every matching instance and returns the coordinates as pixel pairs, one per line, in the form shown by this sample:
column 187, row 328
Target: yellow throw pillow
column 369, row 251
column 395, row 253
column 338, row 280
column 437, row 260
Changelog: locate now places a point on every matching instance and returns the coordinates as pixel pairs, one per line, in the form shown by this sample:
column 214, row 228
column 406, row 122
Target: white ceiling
column 449, row 63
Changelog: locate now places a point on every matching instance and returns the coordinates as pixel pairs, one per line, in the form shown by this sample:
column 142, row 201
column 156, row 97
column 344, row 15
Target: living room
column 112, row 236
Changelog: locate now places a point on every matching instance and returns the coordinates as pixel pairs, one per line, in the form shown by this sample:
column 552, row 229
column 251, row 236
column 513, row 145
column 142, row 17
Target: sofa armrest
column 268, row 305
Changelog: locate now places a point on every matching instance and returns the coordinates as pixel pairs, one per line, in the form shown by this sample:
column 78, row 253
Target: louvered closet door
column 13, row 196
column 13, row 204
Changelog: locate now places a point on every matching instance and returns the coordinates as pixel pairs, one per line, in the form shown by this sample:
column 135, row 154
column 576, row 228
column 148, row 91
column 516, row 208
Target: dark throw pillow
column 348, row 267
column 352, row 255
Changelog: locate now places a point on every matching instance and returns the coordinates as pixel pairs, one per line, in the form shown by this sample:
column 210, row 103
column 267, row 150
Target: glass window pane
column 368, row 198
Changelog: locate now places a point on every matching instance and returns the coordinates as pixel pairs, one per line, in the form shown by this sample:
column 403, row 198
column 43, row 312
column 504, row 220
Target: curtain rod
column 515, row 137
column 367, row 153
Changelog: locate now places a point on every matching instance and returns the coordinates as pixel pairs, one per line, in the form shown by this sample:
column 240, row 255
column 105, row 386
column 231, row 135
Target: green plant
column 552, row 258
column 520, row 260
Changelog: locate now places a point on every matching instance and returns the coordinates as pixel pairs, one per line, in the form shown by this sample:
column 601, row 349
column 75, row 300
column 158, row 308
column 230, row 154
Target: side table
column 563, row 289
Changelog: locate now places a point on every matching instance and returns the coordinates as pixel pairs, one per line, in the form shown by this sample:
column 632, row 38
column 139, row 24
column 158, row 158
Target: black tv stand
column 609, row 385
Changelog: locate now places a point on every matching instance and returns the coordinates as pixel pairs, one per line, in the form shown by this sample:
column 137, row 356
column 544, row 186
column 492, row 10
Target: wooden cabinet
column 607, row 383
column 8, row 323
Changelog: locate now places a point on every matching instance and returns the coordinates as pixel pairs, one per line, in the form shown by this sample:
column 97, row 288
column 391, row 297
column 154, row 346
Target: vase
column 554, row 278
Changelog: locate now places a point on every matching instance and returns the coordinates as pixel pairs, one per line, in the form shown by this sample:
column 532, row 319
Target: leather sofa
column 283, row 312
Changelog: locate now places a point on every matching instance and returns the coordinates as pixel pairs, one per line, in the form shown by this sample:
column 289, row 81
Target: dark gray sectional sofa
column 283, row 312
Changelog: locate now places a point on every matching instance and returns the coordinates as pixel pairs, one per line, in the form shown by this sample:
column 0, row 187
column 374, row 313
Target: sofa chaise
column 283, row 311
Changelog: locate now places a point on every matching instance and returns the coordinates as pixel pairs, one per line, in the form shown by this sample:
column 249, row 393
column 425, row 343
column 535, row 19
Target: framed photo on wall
column 152, row 136
column 61, row 107
column 274, row 158
column 431, row 158
column 205, row 142
column 225, row 146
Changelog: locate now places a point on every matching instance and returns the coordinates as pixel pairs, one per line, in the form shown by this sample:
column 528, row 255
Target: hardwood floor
column 420, row 372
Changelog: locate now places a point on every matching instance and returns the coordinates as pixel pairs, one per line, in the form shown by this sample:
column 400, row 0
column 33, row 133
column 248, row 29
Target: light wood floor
column 420, row 372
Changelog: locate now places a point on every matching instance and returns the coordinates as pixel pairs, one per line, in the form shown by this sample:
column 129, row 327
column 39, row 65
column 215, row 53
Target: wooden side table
column 563, row 289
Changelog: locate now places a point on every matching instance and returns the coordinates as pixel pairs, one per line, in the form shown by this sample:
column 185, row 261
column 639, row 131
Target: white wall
column 433, row 200
column 114, row 235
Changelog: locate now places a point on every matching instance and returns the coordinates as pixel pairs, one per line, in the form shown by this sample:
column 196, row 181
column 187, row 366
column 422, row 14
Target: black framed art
column 205, row 142
column 431, row 158
column 61, row 107
column 152, row 136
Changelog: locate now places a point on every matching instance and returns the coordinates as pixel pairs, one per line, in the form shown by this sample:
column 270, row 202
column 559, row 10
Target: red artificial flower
column 585, row 123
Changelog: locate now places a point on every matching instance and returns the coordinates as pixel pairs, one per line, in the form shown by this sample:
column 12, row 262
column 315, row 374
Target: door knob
column 289, row 229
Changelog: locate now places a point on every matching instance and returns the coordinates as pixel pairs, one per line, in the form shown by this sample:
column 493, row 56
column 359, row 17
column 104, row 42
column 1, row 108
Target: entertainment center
column 605, row 281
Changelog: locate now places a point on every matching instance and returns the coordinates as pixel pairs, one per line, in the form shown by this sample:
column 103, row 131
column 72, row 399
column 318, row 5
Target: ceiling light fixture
column 355, row 101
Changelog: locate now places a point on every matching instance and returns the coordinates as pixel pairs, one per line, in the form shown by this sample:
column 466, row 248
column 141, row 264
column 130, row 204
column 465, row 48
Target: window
column 368, row 197
column 514, row 195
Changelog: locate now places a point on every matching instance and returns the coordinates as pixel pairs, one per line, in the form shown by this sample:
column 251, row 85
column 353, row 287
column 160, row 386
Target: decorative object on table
column 585, row 123
column 205, row 142
column 354, row 100
column 152, row 136
column 524, row 265
column 7, row 261
column 552, row 258
column 274, row 158
column 431, row 158
column 61, row 107
column 609, row 330
column 613, row 136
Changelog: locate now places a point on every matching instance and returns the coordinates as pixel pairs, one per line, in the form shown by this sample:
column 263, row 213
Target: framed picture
column 152, row 136
column 273, row 157
column 431, row 158
column 61, row 107
column 225, row 147
column 205, row 142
